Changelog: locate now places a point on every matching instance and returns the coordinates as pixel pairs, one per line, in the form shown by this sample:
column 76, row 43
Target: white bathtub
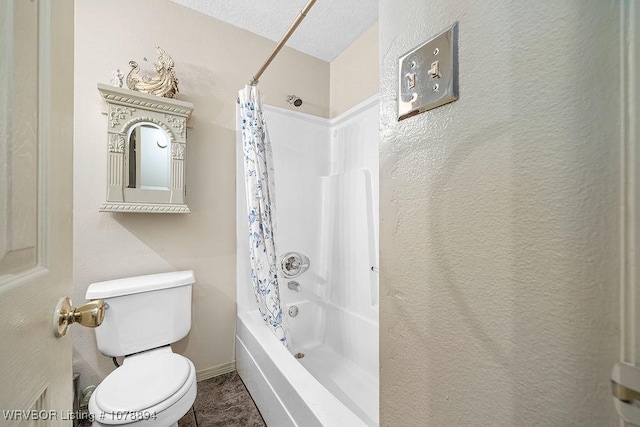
column 340, row 392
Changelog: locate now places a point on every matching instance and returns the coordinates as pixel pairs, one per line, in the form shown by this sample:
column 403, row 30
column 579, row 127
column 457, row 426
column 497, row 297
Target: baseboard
column 215, row 371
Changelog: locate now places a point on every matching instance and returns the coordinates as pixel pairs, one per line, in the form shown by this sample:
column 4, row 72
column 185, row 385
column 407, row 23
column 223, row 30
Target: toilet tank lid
column 135, row 285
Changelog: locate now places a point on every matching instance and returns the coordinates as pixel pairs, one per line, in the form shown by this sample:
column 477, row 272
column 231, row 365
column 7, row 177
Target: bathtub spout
column 294, row 286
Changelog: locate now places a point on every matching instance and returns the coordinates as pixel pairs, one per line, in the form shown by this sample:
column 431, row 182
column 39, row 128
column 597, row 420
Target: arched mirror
column 147, row 157
column 146, row 146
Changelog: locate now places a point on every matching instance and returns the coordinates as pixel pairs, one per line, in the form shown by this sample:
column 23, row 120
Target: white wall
column 500, row 230
column 213, row 61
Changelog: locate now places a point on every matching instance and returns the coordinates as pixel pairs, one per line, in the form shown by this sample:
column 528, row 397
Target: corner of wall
column 354, row 74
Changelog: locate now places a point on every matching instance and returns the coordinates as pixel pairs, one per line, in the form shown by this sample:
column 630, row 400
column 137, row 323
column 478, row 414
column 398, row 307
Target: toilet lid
column 143, row 383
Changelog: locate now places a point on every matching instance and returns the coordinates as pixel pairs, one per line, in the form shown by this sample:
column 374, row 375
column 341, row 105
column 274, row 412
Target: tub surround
column 326, row 184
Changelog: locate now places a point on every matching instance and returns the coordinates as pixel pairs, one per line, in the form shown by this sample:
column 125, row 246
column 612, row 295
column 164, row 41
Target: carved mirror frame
column 126, row 109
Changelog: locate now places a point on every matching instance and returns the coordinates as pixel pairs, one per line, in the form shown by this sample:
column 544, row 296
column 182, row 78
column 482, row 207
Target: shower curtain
column 260, row 192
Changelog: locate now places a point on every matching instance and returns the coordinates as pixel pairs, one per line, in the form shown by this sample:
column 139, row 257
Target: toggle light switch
column 428, row 76
column 411, row 80
column 434, row 71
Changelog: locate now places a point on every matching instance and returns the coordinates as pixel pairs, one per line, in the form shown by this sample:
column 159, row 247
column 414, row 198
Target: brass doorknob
column 90, row 315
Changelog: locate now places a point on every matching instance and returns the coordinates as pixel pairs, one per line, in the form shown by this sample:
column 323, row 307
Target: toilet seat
column 143, row 387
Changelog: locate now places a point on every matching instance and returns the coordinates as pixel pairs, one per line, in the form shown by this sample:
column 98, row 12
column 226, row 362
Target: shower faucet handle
column 293, row 264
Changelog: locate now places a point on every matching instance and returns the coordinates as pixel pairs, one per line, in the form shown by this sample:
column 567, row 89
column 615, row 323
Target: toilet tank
column 144, row 312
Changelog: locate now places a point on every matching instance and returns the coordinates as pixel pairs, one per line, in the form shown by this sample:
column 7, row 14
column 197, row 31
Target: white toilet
column 153, row 386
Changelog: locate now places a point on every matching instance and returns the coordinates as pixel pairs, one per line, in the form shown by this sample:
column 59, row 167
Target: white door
column 36, row 141
column 626, row 374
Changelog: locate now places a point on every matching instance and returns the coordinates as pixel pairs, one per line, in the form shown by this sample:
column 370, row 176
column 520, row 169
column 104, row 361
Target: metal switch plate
column 429, row 75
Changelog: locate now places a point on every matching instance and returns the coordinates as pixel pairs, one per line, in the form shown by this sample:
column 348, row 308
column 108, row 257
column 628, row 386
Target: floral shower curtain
column 260, row 192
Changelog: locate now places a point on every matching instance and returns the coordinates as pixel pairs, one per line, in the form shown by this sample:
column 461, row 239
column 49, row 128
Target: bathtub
column 323, row 388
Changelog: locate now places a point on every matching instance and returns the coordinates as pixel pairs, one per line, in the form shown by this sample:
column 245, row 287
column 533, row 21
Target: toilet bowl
column 153, row 386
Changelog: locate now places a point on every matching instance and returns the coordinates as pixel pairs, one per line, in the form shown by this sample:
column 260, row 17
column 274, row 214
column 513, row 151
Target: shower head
column 292, row 99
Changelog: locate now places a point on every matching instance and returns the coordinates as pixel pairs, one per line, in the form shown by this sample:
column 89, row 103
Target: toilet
column 154, row 386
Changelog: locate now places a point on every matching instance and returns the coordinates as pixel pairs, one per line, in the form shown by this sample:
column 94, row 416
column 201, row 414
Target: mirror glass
column 148, row 157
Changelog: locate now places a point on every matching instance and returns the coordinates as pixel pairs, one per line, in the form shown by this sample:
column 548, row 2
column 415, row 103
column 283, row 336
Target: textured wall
column 355, row 72
column 213, row 61
column 500, row 218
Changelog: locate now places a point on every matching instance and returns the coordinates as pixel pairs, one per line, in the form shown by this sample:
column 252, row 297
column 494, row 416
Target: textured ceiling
column 330, row 26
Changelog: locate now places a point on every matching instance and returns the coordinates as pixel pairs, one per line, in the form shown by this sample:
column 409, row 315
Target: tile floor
column 222, row 401
column 225, row 402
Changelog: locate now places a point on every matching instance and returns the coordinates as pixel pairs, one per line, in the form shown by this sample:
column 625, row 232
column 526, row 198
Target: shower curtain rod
column 280, row 45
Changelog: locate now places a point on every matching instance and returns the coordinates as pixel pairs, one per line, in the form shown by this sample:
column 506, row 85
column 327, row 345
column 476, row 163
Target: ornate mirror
column 146, row 144
column 147, row 157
